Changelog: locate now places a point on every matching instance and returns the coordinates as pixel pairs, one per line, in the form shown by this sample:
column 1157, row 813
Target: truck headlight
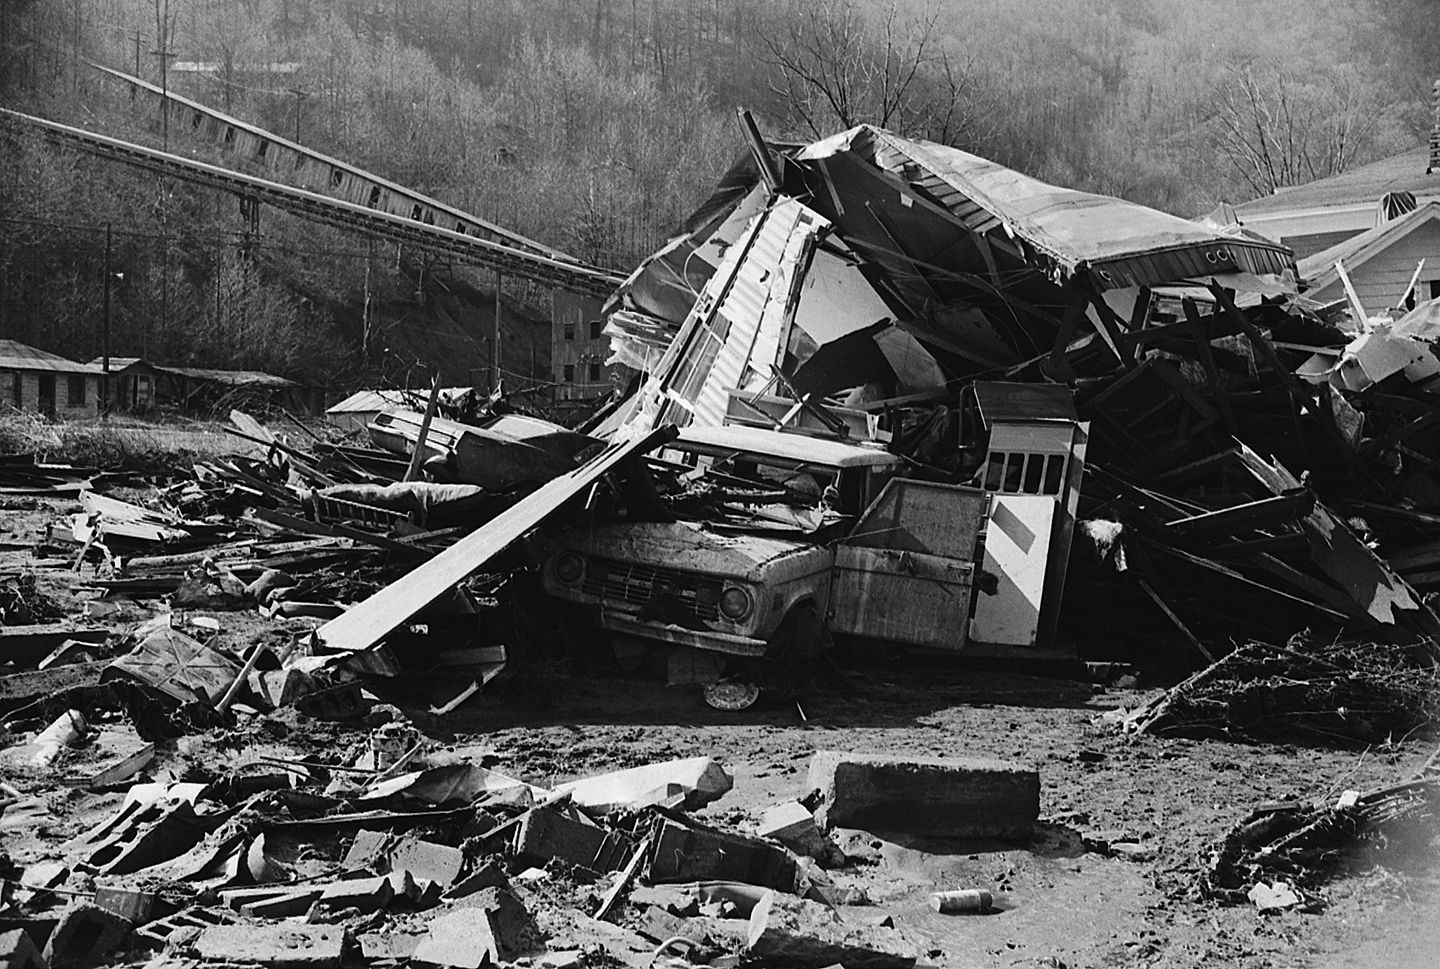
column 569, row 567
column 735, row 603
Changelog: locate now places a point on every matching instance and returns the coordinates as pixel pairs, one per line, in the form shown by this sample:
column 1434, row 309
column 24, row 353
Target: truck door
column 905, row 573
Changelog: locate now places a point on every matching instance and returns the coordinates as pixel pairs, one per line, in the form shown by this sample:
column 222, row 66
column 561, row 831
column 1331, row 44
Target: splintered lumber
column 1265, row 513
column 1386, row 597
column 367, row 623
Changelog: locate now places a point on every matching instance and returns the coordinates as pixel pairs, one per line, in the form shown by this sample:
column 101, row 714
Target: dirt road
column 1060, row 905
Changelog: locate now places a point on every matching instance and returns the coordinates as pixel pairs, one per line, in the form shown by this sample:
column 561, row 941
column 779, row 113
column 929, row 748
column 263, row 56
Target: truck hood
column 688, row 546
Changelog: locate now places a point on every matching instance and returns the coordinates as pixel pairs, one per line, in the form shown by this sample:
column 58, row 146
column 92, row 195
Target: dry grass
column 117, row 444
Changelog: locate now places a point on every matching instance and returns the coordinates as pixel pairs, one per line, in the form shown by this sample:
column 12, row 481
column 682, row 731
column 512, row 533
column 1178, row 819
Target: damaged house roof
column 15, row 355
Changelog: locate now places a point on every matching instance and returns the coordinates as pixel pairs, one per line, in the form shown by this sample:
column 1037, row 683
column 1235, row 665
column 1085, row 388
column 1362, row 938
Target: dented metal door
column 905, row 572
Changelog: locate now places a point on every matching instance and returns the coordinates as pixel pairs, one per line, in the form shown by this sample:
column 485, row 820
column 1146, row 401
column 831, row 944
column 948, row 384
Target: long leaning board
column 366, row 623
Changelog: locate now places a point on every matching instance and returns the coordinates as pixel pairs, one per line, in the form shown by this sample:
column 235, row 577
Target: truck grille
column 633, row 582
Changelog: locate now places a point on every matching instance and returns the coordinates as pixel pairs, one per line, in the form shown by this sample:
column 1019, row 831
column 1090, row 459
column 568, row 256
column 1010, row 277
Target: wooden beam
column 1205, row 352
column 1264, row 513
column 1170, row 614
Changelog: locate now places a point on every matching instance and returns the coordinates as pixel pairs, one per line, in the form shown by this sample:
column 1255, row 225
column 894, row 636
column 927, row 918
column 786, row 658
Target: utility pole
column 495, row 357
column 164, row 30
column 75, row 53
column 164, row 56
column 365, row 307
column 299, row 96
column 105, row 336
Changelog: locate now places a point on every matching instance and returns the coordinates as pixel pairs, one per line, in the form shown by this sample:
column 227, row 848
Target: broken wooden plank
column 1265, row 513
column 1230, row 573
column 1176, row 621
column 367, row 623
column 1386, row 597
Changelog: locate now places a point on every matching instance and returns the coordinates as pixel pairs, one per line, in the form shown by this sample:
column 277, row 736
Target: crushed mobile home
column 851, row 289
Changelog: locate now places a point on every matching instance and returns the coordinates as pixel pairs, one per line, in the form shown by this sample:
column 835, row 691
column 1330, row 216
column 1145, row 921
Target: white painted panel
column 1017, row 547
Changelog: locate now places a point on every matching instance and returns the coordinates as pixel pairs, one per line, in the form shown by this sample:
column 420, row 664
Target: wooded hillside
column 594, row 126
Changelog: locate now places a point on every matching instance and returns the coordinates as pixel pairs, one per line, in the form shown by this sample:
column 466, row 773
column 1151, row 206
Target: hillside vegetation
column 596, row 125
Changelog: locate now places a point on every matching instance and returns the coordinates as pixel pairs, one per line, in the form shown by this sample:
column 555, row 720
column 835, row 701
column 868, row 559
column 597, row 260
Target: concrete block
column 794, row 826
column 490, row 874
column 132, row 906
column 85, row 935
column 281, row 946
column 428, row 861
column 956, row 797
column 283, row 906
column 546, row 833
column 463, row 940
column 510, row 921
column 146, row 835
column 237, row 898
column 685, row 854
column 159, row 932
column 18, row 951
column 801, row 934
column 365, row 895
column 368, row 851
column 699, row 780
column 389, row 945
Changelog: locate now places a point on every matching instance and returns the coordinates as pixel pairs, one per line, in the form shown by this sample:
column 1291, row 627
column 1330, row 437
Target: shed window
column 1019, row 473
column 75, row 391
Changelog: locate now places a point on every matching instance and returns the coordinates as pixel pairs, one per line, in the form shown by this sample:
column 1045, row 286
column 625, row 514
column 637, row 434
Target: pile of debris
column 1344, row 692
column 404, row 852
column 1280, row 852
column 1180, row 505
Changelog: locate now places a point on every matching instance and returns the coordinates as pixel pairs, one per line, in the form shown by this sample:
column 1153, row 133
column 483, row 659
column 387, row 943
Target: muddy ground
column 1060, row 905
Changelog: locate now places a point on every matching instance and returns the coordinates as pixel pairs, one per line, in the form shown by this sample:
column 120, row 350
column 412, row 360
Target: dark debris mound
column 1341, row 692
column 1303, row 844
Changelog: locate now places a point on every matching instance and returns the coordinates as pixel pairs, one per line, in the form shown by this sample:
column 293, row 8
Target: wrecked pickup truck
column 774, row 539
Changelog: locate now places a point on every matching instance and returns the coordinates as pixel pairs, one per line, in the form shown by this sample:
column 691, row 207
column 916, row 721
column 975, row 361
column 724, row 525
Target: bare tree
column 1277, row 132
column 835, row 69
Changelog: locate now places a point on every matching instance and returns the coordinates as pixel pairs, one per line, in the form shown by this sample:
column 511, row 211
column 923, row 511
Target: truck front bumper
column 618, row 622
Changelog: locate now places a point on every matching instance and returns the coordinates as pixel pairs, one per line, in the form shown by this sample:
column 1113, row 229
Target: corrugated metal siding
column 757, row 302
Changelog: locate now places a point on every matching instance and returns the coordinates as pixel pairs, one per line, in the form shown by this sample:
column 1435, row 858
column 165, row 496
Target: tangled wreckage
column 987, row 398
column 888, row 393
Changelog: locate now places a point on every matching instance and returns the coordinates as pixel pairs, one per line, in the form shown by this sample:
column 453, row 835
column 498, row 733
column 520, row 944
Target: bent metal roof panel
column 1067, row 231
